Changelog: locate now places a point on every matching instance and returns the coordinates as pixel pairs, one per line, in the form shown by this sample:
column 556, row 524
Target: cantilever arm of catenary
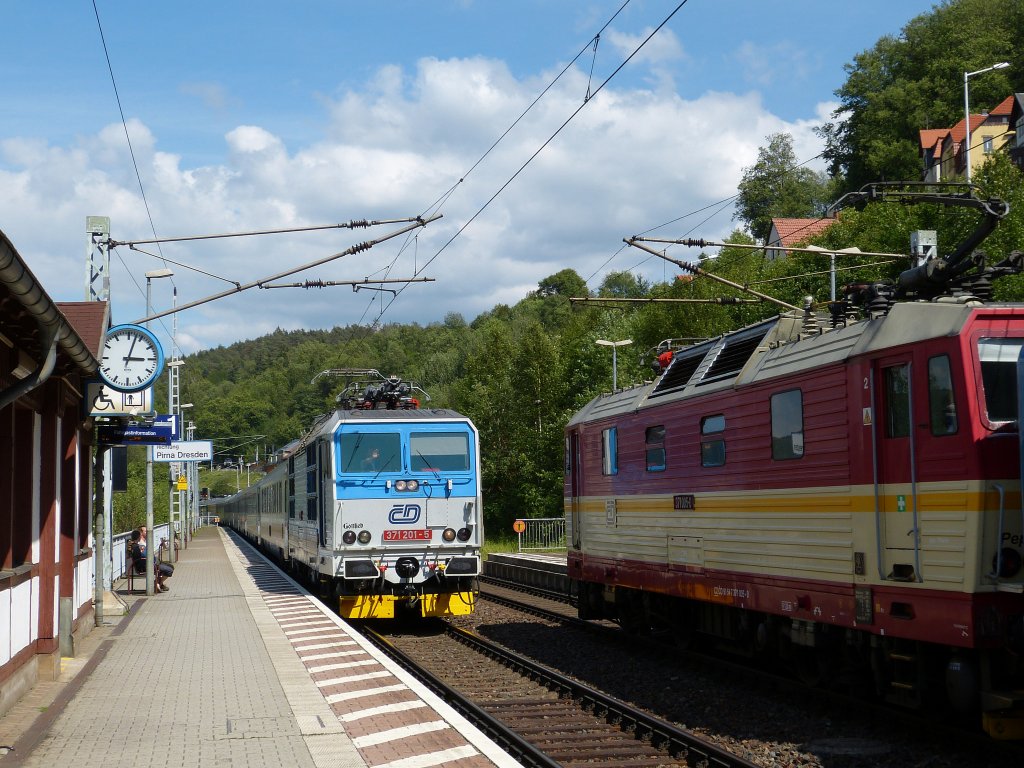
column 364, row 246
column 704, row 273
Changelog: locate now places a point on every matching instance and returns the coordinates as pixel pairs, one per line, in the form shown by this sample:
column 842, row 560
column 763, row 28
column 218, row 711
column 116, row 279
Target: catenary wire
column 540, row 149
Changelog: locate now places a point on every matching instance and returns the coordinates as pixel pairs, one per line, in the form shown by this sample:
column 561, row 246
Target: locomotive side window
column 655, row 440
column 897, row 400
column 447, row 451
column 788, row 424
column 999, row 376
column 941, row 403
column 291, row 487
column 609, row 452
column 370, row 452
column 712, row 451
column 311, row 494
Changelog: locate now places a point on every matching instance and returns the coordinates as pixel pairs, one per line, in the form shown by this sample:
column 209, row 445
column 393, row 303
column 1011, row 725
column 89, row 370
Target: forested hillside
column 521, row 371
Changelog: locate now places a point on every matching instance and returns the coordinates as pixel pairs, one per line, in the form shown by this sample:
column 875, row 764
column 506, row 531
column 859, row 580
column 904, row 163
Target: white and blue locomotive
column 378, row 507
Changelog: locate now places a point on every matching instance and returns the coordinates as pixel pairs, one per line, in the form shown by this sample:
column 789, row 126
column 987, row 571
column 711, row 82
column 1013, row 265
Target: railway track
column 542, row 717
column 558, row 608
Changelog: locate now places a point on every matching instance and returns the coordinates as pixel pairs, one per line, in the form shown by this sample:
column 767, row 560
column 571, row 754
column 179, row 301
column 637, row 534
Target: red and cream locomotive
column 844, row 496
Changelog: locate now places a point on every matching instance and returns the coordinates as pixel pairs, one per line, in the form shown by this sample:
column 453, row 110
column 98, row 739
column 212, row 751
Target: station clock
column 132, row 358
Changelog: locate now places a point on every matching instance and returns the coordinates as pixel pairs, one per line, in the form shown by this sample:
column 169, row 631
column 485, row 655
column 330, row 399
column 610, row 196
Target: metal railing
column 541, row 533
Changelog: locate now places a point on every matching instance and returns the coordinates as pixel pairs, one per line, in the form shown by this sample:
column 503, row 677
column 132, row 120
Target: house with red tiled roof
column 1016, row 126
column 792, row 232
column 930, row 150
column 945, row 158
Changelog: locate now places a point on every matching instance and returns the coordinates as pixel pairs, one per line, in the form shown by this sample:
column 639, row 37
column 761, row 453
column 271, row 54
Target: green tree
column 915, row 80
column 776, row 186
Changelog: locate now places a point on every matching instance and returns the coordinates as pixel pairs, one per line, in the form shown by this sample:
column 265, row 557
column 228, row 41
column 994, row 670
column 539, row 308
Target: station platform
column 533, row 569
column 236, row 665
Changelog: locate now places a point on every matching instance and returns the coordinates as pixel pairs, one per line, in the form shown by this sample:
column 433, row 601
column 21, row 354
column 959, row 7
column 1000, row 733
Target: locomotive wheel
column 684, row 628
column 810, row 666
column 631, row 616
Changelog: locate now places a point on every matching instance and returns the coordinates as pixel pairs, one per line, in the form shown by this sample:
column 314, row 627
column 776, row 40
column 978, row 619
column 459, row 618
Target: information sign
column 190, row 450
column 133, row 434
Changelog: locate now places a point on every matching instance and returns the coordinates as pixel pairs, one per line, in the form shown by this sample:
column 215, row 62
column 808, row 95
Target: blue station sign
column 134, row 434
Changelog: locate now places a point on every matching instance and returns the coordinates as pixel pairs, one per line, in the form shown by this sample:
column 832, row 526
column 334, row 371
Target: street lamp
column 615, row 348
column 184, row 497
column 150, row 277
column 967, row 113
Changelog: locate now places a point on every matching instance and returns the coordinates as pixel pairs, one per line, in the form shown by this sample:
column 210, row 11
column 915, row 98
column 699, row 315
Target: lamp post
column 615, row 363
column 967, row 114
column 150, row 277
column 184, row 507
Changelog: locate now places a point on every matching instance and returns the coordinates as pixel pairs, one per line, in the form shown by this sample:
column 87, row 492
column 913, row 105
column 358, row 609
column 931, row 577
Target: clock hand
column 130, row 350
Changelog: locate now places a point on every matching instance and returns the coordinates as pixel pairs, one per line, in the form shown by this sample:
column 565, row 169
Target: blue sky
column 256, row 115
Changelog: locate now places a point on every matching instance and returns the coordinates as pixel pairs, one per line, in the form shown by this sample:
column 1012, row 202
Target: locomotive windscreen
column 371, row 452
column 999, row 376
column 447, row 451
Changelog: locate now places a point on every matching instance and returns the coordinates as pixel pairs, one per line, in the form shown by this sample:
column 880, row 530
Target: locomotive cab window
column 941, row 403
column 999, row 377
column 712, row 450
column 788, row 424
column 655, row 440
column 370, row 452
column 609, row 452
column 448, row 451
column 897, row 401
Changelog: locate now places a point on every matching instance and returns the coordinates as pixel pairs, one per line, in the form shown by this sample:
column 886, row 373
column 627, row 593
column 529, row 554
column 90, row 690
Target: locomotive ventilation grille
column 728, row 356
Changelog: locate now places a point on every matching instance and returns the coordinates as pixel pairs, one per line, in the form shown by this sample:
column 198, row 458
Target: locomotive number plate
column 418, row 534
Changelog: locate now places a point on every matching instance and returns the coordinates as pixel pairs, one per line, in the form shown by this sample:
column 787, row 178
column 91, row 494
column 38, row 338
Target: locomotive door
column 896, row 470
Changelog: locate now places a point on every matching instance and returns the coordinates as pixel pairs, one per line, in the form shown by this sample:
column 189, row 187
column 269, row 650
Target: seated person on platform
column 161, row 572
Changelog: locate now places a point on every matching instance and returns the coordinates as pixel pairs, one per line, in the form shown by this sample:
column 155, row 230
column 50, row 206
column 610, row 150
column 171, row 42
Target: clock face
column 132, row 358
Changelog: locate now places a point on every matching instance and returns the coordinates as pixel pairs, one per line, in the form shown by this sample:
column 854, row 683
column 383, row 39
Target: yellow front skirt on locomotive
column 384, row 606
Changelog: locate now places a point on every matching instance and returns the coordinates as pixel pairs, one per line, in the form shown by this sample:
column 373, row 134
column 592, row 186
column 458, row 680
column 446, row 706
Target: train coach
column 377, row 507
column 841, row 494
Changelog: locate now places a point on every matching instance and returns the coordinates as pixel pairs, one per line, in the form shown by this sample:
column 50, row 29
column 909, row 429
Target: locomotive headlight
column 400, row 485
column 412, row 485
column 464, row 534
column 364, row 537
column 349, row 537
column 448, row 534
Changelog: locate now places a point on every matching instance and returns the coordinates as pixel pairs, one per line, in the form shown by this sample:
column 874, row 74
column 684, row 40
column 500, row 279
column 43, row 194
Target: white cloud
column 631, row 160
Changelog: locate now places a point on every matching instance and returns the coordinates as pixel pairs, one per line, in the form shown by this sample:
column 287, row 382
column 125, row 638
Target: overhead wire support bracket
column 694, row 269
column 610, row 300
column 417, row 222
column 356, row 284
column 354, row 224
